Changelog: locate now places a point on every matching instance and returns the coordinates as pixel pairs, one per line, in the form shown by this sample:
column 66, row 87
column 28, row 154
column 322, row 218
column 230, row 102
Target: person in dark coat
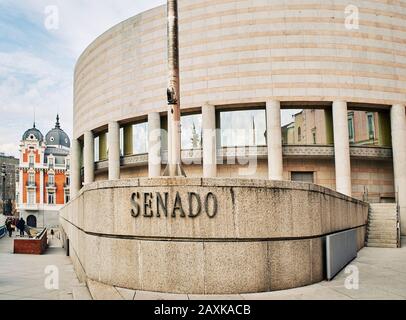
column 21, row 226
column 9, row 227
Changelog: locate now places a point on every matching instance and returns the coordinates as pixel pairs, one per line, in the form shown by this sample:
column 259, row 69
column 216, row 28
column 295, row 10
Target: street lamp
column 3, row 175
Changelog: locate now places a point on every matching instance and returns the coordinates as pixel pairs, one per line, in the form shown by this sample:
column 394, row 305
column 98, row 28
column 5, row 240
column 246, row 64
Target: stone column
column 342, row 148
column 274, row 140
column 398, row 123
column 209, row 141
column 88, row 157
column 113, row 146
column 154, row 145
column 75, row 179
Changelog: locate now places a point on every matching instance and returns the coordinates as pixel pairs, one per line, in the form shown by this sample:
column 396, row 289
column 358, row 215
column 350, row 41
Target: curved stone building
column 314, row 91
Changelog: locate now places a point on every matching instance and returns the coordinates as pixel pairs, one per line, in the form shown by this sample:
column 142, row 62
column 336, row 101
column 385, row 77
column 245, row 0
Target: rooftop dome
column 57, row 137
column 33, row 134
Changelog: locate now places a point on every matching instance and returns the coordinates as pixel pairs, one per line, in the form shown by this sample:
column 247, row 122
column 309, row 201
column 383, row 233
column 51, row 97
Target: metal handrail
column 398, row 231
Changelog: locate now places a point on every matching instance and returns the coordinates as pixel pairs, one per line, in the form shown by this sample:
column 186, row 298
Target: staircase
column 383, row 226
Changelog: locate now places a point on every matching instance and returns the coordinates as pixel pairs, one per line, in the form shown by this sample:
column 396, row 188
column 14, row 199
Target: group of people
column 19, row 224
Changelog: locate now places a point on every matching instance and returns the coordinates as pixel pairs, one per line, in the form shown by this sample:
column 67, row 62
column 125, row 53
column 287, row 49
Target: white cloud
column 39, row 74
column 81, row 21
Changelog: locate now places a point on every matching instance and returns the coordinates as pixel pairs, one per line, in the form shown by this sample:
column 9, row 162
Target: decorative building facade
column 44, row 174
column 8, row 167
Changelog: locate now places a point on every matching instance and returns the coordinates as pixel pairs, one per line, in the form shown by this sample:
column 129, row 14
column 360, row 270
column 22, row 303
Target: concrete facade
column 235, row 56
column 243, row 248
column 329, row 67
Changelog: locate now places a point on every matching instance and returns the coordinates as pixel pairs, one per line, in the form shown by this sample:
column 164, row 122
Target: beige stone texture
column 293, row 52
column 254, row 244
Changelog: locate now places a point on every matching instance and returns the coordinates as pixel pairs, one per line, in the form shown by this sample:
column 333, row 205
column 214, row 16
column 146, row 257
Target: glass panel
column 191, row 132
column 140, row 138
column 97, row 149
column 370, row 128
column 121, row 142
column 302, row 177
column 243, row 128
column 307, row 127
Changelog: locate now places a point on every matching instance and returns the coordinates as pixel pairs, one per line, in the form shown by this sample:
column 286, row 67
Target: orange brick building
column 43, row 184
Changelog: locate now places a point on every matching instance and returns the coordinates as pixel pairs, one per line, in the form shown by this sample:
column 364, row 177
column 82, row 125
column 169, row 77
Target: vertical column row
column 342, row 148
column 274, row 140
column 154, row 145
column 209, row 141
column 88, row 157
column 75, row 180
column 398, row 124
column 113, row 146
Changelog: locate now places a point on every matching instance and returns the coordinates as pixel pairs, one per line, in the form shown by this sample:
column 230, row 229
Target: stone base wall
column 262, row 236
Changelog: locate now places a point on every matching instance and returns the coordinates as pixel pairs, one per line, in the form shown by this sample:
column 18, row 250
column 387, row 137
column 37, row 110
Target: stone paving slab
column 382, row 275
column 22, row 277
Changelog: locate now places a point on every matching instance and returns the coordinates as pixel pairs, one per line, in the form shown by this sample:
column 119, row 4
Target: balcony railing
column 260, row 152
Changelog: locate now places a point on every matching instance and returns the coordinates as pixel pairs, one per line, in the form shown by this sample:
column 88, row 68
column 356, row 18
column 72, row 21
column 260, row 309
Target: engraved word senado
column 158, row 205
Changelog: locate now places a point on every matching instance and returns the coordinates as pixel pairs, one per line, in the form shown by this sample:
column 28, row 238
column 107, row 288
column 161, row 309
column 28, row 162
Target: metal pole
column 173, row 93
column 3, row 173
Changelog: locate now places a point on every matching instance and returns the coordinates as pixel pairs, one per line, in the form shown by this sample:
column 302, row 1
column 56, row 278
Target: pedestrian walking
column 9, row 227
column 21, row 226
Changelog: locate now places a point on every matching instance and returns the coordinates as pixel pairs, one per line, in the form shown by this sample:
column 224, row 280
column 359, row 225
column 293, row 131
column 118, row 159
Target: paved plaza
column 382, row 275
column 22, row 277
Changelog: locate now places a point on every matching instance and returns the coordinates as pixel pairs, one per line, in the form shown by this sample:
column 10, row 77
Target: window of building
column 97, row 149
column 67, row 197
column 31, row 197
column 31, row 159
column 51, row 198
column 243, row 128
column 191, row 132
column 67, row 164
column 303, row 177
column 67, row 181
column 371, row 126
column 351, row 132
column 51, row 161
column 299, row 134
column 314, row 135
column 140, row 138
column 121, row 142
column 31, row 178
column 51, row 179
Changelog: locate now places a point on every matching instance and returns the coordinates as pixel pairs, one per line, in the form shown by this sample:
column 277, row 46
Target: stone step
column 385, row 227
column 81, row 292
column 385, row 232
column 381, row 245
column 382, row 238
column 382, row 213
column 382, row 241
column 383, row 220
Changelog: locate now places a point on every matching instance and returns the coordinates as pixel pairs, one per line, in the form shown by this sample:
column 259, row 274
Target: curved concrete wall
column 245, row 51
column 265, row 236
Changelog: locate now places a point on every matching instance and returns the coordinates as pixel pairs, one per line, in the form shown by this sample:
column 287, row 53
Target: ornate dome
column 57, row 137
column 33, row 134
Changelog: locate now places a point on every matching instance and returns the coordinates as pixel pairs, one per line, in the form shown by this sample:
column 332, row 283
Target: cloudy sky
column 40, row 40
